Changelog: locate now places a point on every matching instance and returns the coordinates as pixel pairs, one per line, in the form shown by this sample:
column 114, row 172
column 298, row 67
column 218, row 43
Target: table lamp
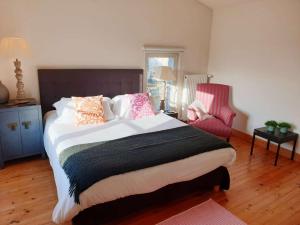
column 16, row 48
column 164, row 73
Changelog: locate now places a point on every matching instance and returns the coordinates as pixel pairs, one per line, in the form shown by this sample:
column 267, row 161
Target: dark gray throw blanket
column 89, row 163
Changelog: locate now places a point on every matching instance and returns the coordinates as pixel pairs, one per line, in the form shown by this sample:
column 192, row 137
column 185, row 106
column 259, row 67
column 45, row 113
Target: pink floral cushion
column 140, row 105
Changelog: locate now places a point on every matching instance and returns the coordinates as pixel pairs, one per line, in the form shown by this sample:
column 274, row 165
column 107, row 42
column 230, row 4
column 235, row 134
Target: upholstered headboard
column 57, row 83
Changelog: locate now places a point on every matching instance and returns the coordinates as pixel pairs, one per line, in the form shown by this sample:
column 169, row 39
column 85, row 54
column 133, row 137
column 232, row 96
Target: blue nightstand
column 21, row 131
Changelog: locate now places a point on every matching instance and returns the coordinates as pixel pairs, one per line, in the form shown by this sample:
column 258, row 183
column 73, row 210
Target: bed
column 133, row 188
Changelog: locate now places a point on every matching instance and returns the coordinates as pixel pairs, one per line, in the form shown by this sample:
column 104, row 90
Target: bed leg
column 217, row 188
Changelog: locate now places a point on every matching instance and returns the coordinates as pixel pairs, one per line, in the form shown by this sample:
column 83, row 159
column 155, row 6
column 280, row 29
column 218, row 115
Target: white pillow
column 200, row 110
column 155, row 101
column 66, row 112
column 121, row 106
column 107, row 104
column 59, row 106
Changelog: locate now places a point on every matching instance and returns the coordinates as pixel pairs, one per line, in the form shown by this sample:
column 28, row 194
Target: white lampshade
column 14, row 47
column 165, row 73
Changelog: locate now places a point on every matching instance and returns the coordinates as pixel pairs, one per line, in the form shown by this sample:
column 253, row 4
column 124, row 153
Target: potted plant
column 284, row 127
column 271, row 125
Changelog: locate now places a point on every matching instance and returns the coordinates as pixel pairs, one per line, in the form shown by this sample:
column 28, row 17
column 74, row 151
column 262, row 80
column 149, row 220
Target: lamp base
column 20, row 84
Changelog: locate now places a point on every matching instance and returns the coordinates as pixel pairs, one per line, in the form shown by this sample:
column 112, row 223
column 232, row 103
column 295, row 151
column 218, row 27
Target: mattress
column 59, row 136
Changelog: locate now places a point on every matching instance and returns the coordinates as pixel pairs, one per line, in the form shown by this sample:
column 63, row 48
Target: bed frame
column 57, row 83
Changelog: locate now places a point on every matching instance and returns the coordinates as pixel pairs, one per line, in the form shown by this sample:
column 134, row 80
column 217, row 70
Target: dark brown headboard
column 57, row 83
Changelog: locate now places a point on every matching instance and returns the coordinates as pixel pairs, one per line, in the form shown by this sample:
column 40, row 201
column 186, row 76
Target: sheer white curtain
column 189, row 90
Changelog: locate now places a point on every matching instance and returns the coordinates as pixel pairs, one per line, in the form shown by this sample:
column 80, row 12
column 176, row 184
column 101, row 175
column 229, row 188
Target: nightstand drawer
column 10, row 135
column 172, row 114
column 30, row 131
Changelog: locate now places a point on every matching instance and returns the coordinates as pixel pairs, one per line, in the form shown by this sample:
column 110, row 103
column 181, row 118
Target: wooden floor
column 260, row 193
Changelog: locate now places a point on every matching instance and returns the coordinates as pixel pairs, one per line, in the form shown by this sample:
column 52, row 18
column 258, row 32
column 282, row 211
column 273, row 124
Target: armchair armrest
column 227, row 115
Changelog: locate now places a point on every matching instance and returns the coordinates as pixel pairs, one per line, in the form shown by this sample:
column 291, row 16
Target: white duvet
column 59, row 136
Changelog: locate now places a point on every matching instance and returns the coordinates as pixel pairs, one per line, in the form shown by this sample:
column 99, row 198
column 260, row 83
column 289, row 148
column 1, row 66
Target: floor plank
column 260, row 193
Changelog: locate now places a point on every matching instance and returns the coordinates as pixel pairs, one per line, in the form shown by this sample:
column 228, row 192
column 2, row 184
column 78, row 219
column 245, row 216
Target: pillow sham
column 89, row 110
column 140, row 105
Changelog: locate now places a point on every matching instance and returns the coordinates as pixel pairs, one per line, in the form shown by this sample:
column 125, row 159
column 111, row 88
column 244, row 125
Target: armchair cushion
column 214, row 126
column 227, row 115
column 197, row 111
column 191, row 114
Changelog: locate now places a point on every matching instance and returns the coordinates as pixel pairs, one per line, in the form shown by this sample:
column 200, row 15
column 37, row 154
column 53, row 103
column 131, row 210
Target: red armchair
column 214, row 97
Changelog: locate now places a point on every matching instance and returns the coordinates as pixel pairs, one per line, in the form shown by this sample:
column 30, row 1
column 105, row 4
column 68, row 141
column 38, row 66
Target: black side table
column 172, row 114
column 276, row 137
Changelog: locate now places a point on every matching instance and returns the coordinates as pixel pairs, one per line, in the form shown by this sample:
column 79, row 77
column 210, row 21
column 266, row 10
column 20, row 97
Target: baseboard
column 263, row 143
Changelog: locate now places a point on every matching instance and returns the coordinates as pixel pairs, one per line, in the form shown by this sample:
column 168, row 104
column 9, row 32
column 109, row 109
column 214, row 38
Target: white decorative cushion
column 121, row 106
column 65, row 110
column 107, row 105
column 200, row 110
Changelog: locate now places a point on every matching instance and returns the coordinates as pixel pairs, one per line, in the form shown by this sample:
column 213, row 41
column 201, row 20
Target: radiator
column 189, row 90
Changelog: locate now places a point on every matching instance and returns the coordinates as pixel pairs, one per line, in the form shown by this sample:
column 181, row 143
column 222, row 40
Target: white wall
column 255, row 48
column 102, row 33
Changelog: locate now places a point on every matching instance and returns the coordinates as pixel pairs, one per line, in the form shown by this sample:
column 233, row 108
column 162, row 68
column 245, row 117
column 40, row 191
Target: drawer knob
column 26, row 124
column 12, row 126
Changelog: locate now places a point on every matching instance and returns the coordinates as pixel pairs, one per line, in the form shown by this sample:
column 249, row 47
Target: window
column 155, row 57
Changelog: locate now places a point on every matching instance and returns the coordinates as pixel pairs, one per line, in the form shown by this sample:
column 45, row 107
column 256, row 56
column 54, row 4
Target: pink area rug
column 206, row 213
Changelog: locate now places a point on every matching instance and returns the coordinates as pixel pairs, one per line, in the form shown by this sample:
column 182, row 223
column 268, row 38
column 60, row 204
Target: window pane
column 156, row 88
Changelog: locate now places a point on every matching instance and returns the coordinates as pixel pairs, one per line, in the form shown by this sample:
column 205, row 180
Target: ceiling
column 220, row 3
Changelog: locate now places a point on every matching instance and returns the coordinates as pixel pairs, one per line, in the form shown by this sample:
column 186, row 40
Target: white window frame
column 176, row 52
